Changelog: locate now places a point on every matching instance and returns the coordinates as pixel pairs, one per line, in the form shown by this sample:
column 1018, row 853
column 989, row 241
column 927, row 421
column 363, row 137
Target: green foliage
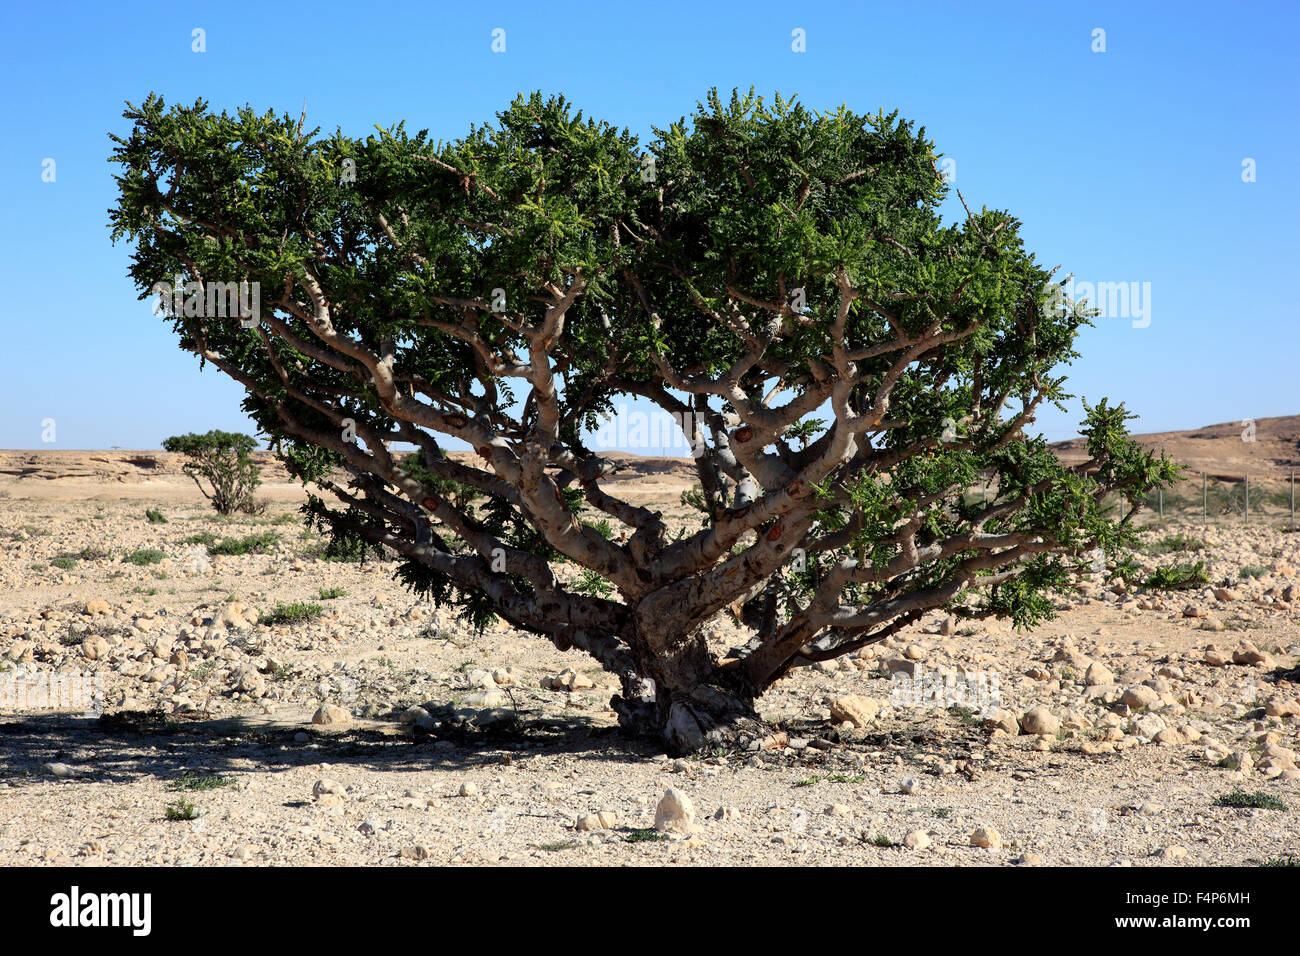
column 1177, row 542
column 155, row 516
column 329, row 594
column 259, row 542
column 756, row 217
column 1237, row 797
column 1177, row 577
column 222, row 459
column 145, row 556
column 194, row 781
column 64, row 562
column 293, row 613
column 183, row 810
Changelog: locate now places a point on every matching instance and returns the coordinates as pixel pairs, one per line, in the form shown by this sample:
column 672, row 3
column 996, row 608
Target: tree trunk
column 689, row 703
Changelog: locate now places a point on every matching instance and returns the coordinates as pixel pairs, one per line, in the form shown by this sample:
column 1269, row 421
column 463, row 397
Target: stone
column 1252, row 656
column 1173, row 853
column 416, row 851
column 854, row 708
column 675, row 813
column 250, row 681
column 1149, row 725
column 94, row 648
column 1039, row 720
column 413, row 715
column 1216, row 658
column 987, row 838
column 914, row 652
column 588, row 822
column 61, row 770
column 838, row 810
column 469, row 789
column 1169, row 737
column 327, row 786
column 917, row 840
column 1139, row 696
column 1282, row 707
column 1003, row 720
column 726, row 813
column 1098, row 675
column 96, row 608
column 332, row 715
column 909, row 785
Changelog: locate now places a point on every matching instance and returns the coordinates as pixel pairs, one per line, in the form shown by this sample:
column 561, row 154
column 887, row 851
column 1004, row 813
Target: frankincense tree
column 846, row 366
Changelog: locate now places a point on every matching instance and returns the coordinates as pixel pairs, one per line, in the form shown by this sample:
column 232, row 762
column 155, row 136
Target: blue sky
column 1124, row 165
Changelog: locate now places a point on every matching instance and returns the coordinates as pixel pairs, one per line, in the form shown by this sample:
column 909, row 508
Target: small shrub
column 1178, row 577
column 1240, row 799
column 1177, row 542
column 292, row 613
column 329, row 594
column 194, row 781
column 257, row 543
column 145, row 556
column 183, row 810
column 155, row 516
column 1253, row 571
column 65, row 562
column 224, row 461
column 644, row 836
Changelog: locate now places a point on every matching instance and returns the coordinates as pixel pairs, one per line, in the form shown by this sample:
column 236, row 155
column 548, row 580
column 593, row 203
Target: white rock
column 675, row 813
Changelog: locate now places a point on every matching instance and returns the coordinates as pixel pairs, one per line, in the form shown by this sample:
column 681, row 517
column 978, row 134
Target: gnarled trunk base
column 708, row 716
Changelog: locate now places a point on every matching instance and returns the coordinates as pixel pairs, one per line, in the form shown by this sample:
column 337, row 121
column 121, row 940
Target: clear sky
column 1124, row 165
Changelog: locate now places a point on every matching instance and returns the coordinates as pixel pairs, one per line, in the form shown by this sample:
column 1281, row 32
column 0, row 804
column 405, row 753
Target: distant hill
column 1219, row 450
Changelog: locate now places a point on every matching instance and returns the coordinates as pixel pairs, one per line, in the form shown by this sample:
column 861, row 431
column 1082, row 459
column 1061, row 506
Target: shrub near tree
column 224, row 461
column 751, row 266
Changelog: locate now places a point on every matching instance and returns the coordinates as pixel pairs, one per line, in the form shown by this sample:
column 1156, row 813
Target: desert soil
column 1119, row 726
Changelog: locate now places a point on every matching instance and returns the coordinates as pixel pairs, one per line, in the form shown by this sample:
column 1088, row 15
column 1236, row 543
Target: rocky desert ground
column 262, row 705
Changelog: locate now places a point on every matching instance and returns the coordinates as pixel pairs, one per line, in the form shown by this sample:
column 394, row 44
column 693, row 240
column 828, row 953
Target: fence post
column 1248, row 499
column 1293, row 496
column 1205, row 501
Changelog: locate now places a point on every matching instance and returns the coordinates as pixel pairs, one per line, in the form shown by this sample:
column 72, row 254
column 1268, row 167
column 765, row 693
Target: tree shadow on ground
column 123, row 747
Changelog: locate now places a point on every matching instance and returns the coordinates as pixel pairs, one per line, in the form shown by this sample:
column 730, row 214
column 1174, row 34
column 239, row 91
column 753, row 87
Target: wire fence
column 1245, row 498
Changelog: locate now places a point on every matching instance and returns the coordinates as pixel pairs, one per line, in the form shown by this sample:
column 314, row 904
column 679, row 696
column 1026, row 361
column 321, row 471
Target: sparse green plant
column 183, row 810
column 883, row 841
column 259, row 542
column 195, row 781
column 1176, row 542
column 1242, row 799
column 145, row 556
column 1177, row 577
column 645, row 835
column 293, row 613
column 556, row 846
column 155, row 516
column 329, row 594
column 1253, row 571
column 64, row 562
